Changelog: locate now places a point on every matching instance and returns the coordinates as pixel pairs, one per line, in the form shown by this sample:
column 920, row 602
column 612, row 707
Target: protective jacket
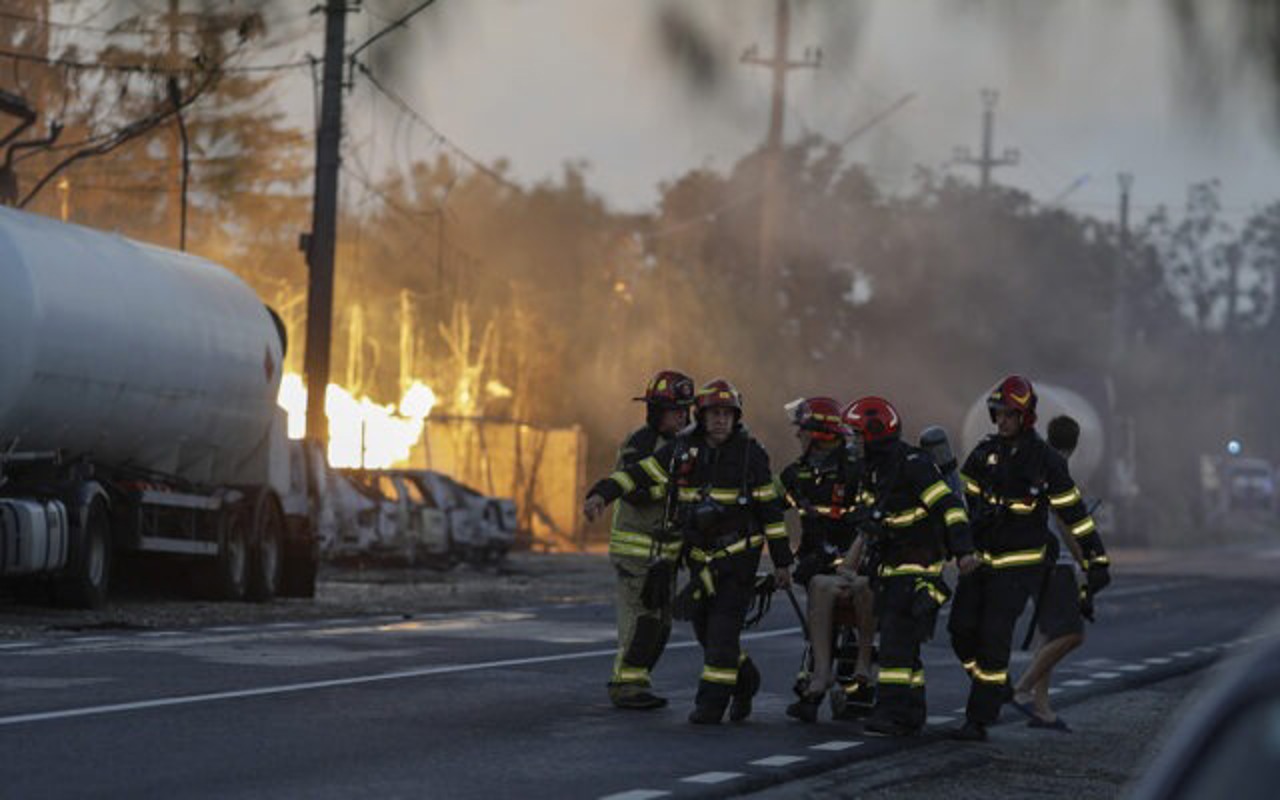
column 639, row 520
column 920, row 520
column 821, row 493
column 1011, row 485
column 723, row 495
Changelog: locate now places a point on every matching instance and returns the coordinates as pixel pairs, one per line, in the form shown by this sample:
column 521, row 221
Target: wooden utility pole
column 319, row 243
column 773, row 199
column 987, row 161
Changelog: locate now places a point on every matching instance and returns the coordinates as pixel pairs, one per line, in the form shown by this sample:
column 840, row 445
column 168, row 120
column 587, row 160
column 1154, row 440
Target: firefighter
column 727, row 508
column 644, row 551
column 819, row 485
column 915, row 523
column 1012, row 480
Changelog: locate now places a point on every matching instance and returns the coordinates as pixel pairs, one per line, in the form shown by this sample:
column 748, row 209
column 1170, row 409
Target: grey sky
column 1089, row 87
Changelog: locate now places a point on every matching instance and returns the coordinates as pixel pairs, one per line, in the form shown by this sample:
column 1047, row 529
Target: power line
column 396, row 24
column 439, row 137
column 147, row 69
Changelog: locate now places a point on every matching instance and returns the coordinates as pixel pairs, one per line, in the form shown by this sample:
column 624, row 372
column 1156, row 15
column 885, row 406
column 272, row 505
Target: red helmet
column 874, row 418
column 669, row 389
column 1014, row 393
column 718, row 393
column 818, row 415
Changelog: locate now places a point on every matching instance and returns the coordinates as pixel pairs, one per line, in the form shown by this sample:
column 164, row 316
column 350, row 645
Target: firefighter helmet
column 874, row 419
column 1014, row 393
column 718, row 394
column 669, row 389
column 818, row 415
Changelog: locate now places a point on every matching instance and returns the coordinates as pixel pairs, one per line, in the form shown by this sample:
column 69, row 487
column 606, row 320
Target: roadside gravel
column 522, row 579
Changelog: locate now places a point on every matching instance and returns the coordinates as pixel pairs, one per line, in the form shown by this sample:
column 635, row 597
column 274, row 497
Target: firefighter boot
column 642, row 700
column 970, row 731
column 854, row 700
column 706, row 714
column 745, row 690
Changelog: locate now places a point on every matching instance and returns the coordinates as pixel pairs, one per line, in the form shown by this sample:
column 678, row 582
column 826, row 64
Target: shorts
column 1060, row 605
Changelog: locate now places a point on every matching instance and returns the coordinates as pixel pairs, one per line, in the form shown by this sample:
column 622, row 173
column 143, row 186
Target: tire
column 85, row 581
column 229, row 575
column 265, row 547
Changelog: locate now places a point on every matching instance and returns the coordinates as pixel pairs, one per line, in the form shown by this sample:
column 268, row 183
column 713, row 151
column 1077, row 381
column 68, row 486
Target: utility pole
column 1120, row 300
column 987, row 161
column 773, row 198
column 319, row 243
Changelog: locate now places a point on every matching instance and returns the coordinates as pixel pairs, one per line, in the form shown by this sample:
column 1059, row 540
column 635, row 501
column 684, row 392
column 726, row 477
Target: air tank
column 131, row 354
column 1085, row 463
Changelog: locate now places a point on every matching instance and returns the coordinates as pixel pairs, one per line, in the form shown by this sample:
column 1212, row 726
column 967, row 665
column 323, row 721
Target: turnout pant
column 717, row 622
column 642, row 632
column 987, row 605
column 906, row 607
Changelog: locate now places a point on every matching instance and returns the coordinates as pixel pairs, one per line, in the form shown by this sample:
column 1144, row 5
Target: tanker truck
column 1103, row 463
column 138, row 421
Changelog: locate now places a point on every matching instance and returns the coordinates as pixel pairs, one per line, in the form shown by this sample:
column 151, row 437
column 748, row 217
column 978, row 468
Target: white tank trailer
column 138, row 415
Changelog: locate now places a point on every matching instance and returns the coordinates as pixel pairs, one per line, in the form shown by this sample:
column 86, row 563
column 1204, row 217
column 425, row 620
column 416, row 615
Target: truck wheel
column 84, row 582
column 264, row 550
column 230, row 574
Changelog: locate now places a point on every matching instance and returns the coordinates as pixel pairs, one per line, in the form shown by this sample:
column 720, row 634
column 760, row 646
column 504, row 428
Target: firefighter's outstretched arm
column 947, row 508
column 640, row 475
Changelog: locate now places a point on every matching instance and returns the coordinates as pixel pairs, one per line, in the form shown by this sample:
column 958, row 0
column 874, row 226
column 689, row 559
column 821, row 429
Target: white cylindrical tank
column 129, row 353
column 1053, row 400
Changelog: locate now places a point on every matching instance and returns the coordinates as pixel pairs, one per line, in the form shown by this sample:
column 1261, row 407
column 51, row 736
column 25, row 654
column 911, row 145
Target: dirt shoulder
column 523, row 579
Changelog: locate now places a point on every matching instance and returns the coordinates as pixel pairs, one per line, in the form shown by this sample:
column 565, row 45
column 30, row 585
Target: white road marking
column 89, row 639
column 1158, row 660
column 158, row 634
column 1104, row 676
column 1078, row 682
column 961, row 710
column 1054, row 690
column 1183, row 654
column 835, row 746
column 637, row 794
column 940, row 720
column 228, row 629
column 17, row 645
column 778, row 761
column 712, row 777
column 355, row 680
column 1132, row 667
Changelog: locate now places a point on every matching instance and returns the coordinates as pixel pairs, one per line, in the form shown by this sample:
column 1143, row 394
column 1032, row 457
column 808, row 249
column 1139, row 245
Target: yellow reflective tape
column 728, row 677
column 894, row 570
column 724, row 495
column 1021, row 507
column 1065, row 499
column 1099, row 561
column 687, row 494
column 631, row 675
column 1001, row 676
column 765, row 493
column 624, row 481
column 970, row 485
column 1084, row 527
column 655, row 470
column 906, row 518
column 955, row 516
column 917, row 678
column 657, row 491
column 969, row 666
column 1017, row 558
column 898, row 676
column 935, row 493
column 937, row 594
column 775, row 530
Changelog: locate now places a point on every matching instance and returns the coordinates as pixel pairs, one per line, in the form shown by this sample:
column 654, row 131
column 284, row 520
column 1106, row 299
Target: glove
column 656, row 592
column 1086, row 604
column 1097, row 578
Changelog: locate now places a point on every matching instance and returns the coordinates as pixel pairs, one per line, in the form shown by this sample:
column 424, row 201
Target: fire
column 362, row 433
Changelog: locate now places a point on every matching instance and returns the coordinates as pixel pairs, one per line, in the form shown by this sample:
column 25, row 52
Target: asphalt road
column 496, row 704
